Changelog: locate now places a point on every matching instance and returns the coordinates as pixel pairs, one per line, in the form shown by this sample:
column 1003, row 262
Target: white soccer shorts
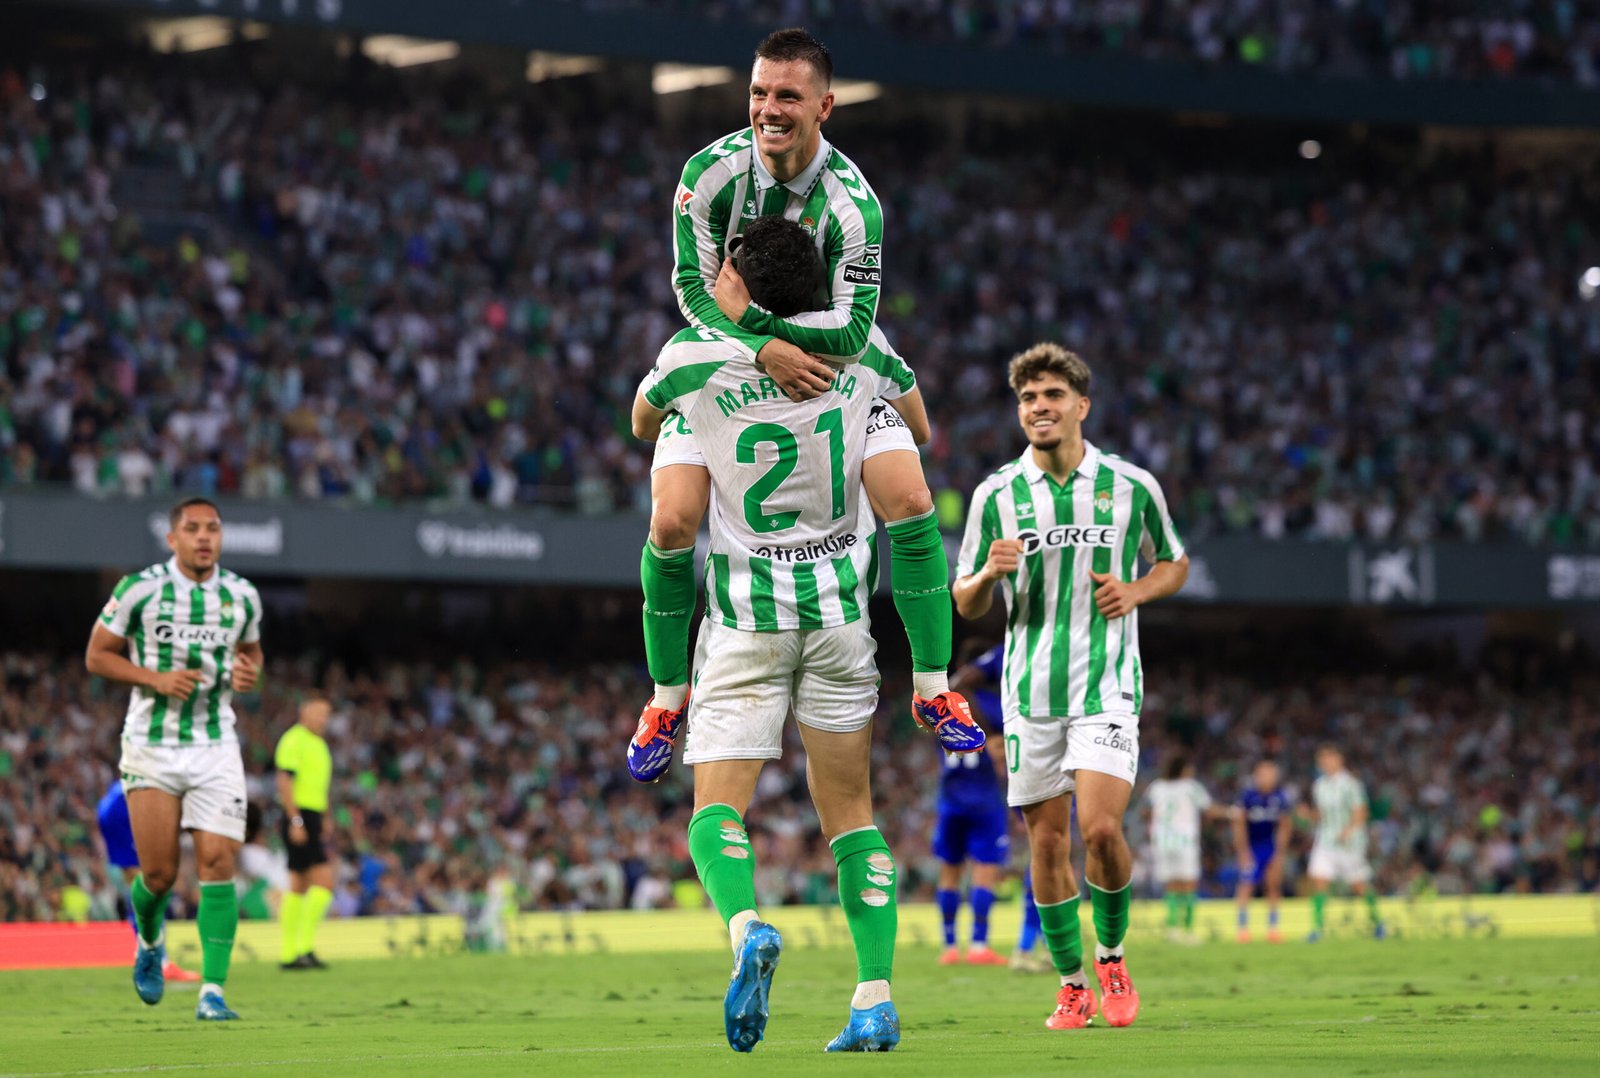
column 746, row 684
column 1043, row 754
column 886, row 432
column 209, row 779
column 1331, row 863
column 1182, row 864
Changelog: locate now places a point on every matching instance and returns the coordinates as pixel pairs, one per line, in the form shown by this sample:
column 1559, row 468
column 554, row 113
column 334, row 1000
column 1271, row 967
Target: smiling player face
column 197, row 540
column 1051, row 412
column 788, row 104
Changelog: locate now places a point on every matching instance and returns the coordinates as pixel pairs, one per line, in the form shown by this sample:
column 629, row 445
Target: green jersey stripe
column 762, row 604
column 1061, row 658
column 872, row 566
column 1035, row 602
column 807, row 603
column 845, row 570
column 890, row 366
column 224, row 669
column 681, row 381
column 1104, row 480
column 1130, row 561
column 192, row 661
column 158, row 715
column 717, row 567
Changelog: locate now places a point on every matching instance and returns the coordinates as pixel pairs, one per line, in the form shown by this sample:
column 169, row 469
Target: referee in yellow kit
column 305, row 770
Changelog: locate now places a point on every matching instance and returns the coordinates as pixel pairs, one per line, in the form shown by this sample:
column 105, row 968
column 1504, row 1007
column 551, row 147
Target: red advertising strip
column 31, row 945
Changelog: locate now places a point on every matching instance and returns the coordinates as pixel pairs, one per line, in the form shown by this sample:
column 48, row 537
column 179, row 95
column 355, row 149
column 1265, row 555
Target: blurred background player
column 1178, row 803
column 1339, row 851
column 1262, row 822
column 305, row 772
column 971, row 825
column 117, row 833
column 195, row 630
column 979, row 681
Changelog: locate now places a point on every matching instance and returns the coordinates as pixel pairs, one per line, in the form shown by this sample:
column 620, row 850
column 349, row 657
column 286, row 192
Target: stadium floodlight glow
column 676, row 78
column 855, row 91
column 543, row 66
column 1589, row 283
column 397, row 50
column 199, row 33
column 1311, row 149
column 37, row 91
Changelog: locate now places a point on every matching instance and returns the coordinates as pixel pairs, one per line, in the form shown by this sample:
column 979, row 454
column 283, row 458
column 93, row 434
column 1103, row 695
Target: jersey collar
column 211, row 582
column 1087, row 467
column 802, row 184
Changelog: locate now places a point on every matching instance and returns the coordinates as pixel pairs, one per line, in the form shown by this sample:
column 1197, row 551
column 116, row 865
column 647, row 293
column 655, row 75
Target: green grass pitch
column 1346, row 1007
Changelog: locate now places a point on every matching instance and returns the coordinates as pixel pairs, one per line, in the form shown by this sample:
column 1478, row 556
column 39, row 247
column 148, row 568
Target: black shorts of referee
column 308, row 854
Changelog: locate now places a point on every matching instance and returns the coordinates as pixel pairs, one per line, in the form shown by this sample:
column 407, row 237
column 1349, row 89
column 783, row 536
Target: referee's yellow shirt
column 305, row 756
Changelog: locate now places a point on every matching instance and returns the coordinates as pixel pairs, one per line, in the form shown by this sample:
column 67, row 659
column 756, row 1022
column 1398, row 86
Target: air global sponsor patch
column 1065, row 535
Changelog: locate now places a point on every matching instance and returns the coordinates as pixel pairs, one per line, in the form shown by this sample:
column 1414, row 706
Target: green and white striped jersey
column 172, row 623
column 1337, row 798
column 724, row 187
column 1063, row 658
column 1175, row 808
column 792, row 535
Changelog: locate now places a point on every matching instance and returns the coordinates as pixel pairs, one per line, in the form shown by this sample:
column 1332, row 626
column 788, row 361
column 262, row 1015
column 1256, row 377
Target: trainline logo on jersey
column 1064, row 535
column 165, row 632
column 439, row 538
column 822, row 548
column 262, row 539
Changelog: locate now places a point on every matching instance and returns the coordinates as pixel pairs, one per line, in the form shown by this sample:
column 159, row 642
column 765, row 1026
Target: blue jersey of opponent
column 1262, row 811
column 970, row 779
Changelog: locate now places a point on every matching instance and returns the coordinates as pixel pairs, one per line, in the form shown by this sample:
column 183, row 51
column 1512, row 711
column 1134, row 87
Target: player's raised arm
column 700, row 224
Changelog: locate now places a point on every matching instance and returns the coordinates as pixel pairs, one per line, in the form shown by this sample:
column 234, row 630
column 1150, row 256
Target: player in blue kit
column 1261, row 827
column 972, row 825
column 116, row 831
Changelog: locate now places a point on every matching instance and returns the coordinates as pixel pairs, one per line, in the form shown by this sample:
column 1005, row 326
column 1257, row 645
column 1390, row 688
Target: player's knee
column 911, row 503
column 159, row 879
column 671, row 527
column 1102, row 835
column 215, row 864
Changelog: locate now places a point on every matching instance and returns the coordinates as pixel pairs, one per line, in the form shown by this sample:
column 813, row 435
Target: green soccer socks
column 722, row 856
column 149, row 909
column 217, row 920
column 920, row 572
column 667, row 577
column 1063, row 935
column 1110, row 917
column 867, row 882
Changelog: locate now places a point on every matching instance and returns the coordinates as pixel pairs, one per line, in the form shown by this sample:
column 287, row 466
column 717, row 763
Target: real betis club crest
column 1102, row 502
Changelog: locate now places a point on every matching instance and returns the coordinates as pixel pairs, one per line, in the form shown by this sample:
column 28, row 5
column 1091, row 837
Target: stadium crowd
column 1415, row 39
column 450, row 774
column 403, row 293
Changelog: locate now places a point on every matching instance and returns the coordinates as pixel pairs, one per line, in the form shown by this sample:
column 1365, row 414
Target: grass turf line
column 1343, row 1007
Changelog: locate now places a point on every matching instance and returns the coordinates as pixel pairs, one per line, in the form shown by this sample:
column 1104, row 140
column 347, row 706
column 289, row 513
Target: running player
column 1060, row 530
column 1339, row 851
column 971, row 825
column 195, row 635
column 781, row 165
column 1178, row 803
column 117, row 833
column 791, row 567
column 1262, row 822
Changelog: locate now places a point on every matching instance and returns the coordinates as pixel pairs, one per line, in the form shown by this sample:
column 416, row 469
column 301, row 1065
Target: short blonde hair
column 1049, row 358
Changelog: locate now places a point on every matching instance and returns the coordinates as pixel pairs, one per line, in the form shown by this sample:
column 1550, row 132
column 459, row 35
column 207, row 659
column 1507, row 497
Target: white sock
column 1101, row 953
column 736, row 925
column 161, row 939
column 929, row 684
column 670, row 697
column 870, row 994
column 209, row 989
column 1075, row 979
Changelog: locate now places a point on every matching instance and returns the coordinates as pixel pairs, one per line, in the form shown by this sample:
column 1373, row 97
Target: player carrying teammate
column 195, row 635
column 1339, row 851
column 1178, row 804
column 781, row 165
column 1262, row 822
column 1060, row 530
column 787, row 628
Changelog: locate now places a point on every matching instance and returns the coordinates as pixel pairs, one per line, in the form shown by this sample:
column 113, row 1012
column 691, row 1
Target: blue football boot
column 650, row 749
column 949, row 716
column 744, row 1009
column 212, row 1009
column 149, row 970
column 875, row 1029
